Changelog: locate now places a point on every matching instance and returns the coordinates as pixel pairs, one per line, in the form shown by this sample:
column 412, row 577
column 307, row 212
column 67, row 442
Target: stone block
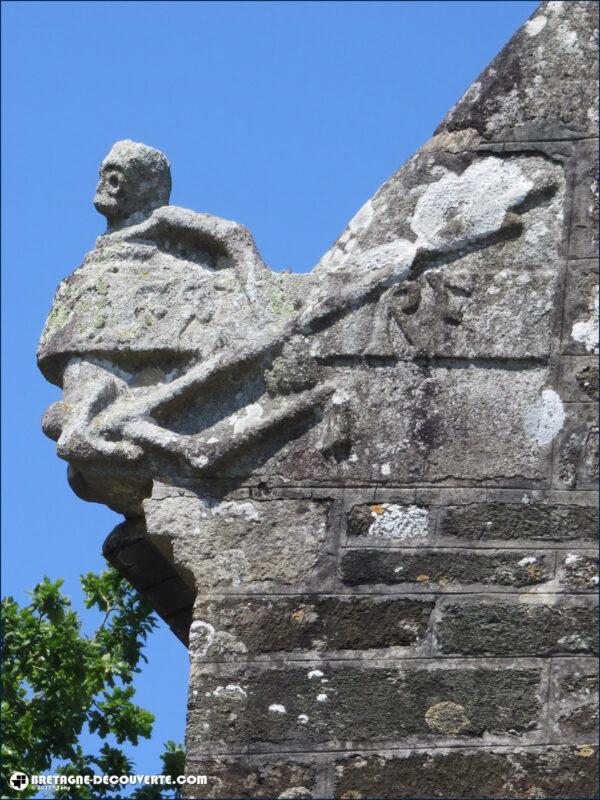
column 576, row 448
column 531, row 522
column 335, row 704
column 394, row 523
column 564, row 773
column 231, row 545
column 446, row 570
column 241, row 778
column 578, row 571
column 580, row 312
column 247, row 626
column 574, row 700
column 534, row 626
column 583, row 240
column 462, row 422
column 579, row 379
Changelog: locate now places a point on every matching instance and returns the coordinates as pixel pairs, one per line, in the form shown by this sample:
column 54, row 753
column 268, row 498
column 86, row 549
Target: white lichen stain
column 568, row 39
column 450, row 213
column 535, row 25
column 571, row 559
column 246, row 418
column 523, row 280
column 340, row 397
column 302, row 719
column 393, row 521
column 231, row 690
column 545, row 418
column 295, row 793
column 322, row 698
column 277, row 708
column 230, row 509
column 202, row 629
column 398, row 254
column 586, row 331
column 527, row 560
column 385, row 469
column 459, row 209
column 315, row 673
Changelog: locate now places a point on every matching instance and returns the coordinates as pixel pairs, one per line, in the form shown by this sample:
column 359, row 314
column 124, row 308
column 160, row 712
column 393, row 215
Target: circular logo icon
column 18, row 781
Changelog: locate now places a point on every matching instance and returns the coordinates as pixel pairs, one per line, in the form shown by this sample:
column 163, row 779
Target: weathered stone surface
column 466, row 309
column 309, row 623
column 509, row 409
column 229, row 778
column 447, row 570
column 541, row 85
column 579, row 379
column 558, row 772
column 402, row 523
column 576, row 451
column 580, row 321
column 530, row 628
column 230, row 544
column 579, row 571
column 526, row 521
column 333, row 703
column 574, row 707
column 583, row 241
column 373, row 482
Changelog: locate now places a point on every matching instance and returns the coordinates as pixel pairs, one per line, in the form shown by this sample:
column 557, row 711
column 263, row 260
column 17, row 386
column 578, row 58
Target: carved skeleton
column 116, row 397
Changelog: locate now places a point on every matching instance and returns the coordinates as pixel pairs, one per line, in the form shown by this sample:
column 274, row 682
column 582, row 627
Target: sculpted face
column 134, row 180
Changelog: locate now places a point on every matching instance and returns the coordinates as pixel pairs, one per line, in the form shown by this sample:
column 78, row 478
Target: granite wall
column 377, row 528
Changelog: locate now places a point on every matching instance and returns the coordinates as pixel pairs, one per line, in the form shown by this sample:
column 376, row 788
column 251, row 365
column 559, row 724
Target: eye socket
column 113, row 180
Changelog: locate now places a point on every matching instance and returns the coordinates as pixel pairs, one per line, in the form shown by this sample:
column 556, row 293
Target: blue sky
column 284, row 116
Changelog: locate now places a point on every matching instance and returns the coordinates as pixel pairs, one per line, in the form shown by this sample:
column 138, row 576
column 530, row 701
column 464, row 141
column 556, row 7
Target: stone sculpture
column 365, row 496
column 134, row 181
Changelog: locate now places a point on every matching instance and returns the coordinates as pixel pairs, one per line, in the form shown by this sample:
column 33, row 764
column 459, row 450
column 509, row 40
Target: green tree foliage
column 56, row 680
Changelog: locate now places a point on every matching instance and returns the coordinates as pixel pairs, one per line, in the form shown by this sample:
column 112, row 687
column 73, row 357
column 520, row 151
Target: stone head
column 134, row 180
